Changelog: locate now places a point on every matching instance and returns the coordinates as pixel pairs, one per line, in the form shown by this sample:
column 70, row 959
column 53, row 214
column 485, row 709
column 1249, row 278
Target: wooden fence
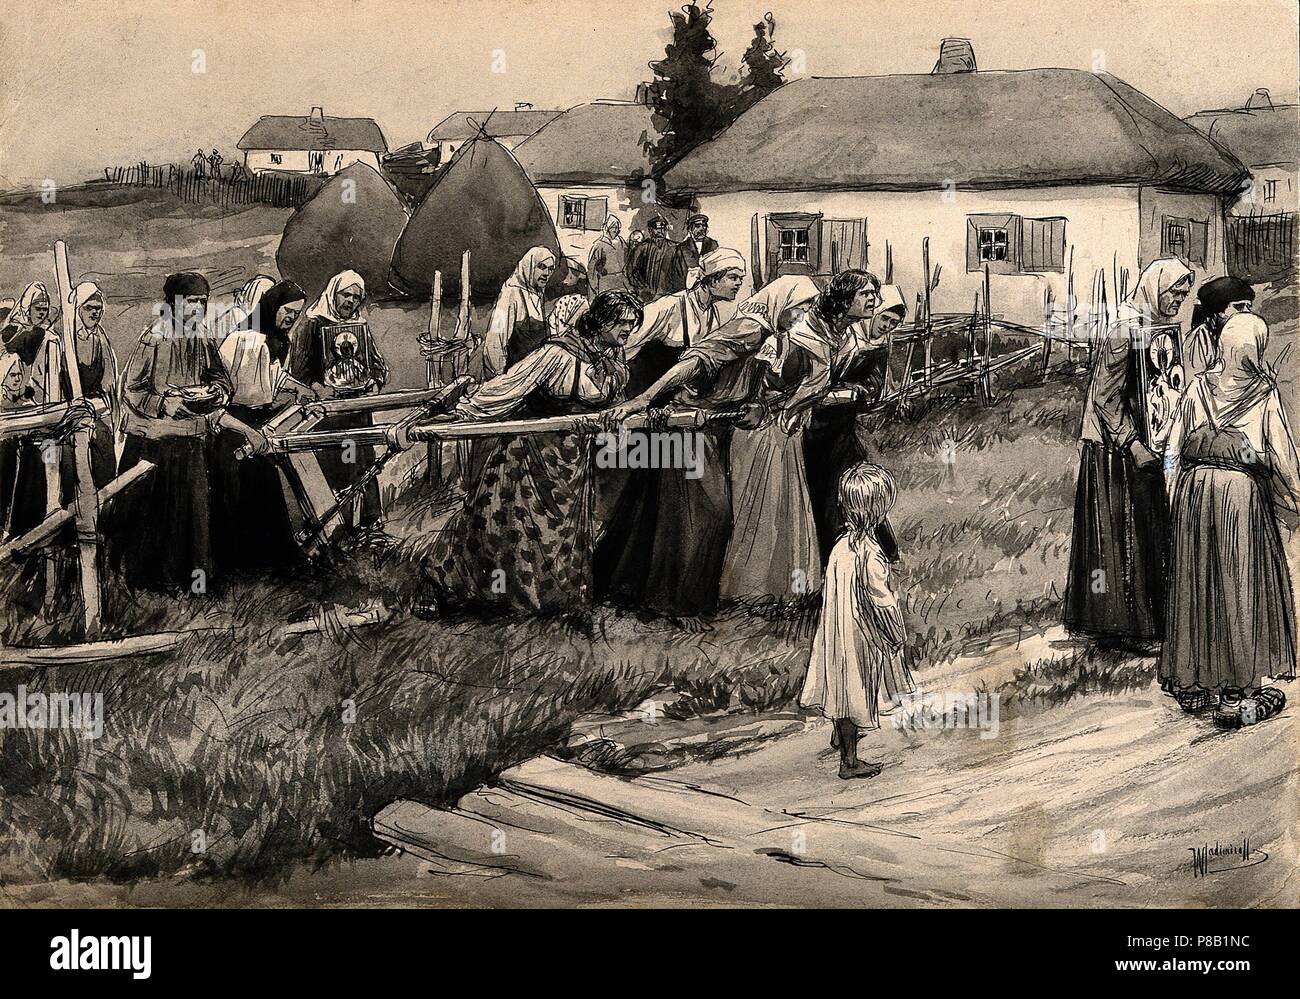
column 1261, row 247
column 279, row 190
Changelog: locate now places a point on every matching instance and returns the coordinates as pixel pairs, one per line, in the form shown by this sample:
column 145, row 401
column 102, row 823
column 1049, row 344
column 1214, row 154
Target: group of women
column 752, row 518
column 191, row 400
column 1177, row 521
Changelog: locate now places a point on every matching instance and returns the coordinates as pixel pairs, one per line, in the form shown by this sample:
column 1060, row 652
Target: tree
column 763, row 68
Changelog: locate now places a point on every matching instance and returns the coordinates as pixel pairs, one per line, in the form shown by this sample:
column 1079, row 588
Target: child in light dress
column 856, row 651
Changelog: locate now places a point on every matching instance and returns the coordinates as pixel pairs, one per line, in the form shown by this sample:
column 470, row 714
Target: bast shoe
column 1240, row 712
column 1194, row 700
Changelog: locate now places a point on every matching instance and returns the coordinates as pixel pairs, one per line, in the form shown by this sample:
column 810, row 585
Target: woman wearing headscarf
column 252, row 529
column 517, row 326
column 523, row 538
column 174, row 391
column 832, row 442
column 29, row 322
column 1119, row 553
column 1217, row 301
column 341, row 302
column 1231, row 615
column 773, row 552
column 12, row 397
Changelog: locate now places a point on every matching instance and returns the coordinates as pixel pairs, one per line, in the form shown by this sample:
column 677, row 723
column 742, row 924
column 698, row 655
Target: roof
column 500, row 124
column 978, row 130
column 597, row 143
column 1257, row 136
column 283, row 131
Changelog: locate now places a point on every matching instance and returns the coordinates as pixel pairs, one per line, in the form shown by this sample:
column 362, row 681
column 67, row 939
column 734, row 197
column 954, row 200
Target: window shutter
column 559, row 212
column 596, row 210
column 756, row 262
column 1198, row 243
column 773, row 254
column 1042, row 245
column 972, row 246
column 815, row 263
column 828, row 247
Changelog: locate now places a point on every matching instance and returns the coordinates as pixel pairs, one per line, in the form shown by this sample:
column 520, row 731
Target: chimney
column 1260, row 99
column 523, row 106
column 956, row 55
column 318, row 116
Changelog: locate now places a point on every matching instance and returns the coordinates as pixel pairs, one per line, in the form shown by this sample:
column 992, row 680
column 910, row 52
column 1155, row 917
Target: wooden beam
column 436, row 372
column 21, row 422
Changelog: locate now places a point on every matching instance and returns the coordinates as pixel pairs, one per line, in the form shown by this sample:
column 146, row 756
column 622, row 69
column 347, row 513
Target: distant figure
column 1119, row 554
column 650, row 264
column 200, row 164
column 215, row 160
column 517, row 326
column 1231, row 618
column 236, row 172
column 607, row 259
column 689, row 251
column 855, row 657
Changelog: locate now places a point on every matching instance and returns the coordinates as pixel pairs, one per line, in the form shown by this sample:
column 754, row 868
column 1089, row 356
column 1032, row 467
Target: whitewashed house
column 311, row 144
column 1032, row 172
column 589, row 163
column 509, row 128
column 1266, row 137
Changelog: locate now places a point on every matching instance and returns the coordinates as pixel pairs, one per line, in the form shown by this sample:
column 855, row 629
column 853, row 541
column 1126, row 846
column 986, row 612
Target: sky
column 84, row 85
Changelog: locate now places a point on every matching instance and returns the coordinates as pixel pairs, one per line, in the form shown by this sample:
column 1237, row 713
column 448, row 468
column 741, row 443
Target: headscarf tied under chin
column 715, row 262
column 85, row 292
column 522, row 284
column 324, row 307
column 30, row 294
column 768, row 306
column 1156, row 278
column 565, row 313
column 266, row 321
column 1241, row 378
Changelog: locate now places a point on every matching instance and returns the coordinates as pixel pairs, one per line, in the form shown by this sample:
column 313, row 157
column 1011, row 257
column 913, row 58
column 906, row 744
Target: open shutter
column 1042, row 245
column 773, row 255
column 815, row 244
column 594, row 216
column 972, row 246
column 756, row 263
column 1198, row 242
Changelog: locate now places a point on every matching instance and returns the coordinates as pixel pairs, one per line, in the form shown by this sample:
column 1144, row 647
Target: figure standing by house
column 607, row 259
column 215, row 159
column 860, row 634
column 200, row 163
column 650, row 264
column 1231, row 617
column 1119, row 554
column 689, row 251
column 518, row 325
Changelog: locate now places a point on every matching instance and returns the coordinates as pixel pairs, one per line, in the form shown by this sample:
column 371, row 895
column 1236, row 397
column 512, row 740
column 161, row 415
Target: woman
column 1231, row 612
column 517, row 326
column 27, row 325
column 523, row 538
column 11, row 398
column 1119, row 554
column 341, row 302
column 1217, row 301
column 773, row 551
column 251, row 526
column 832, row 443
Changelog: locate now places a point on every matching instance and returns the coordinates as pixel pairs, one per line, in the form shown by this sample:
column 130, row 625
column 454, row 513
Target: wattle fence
column 279, row 190
column 1261, row 247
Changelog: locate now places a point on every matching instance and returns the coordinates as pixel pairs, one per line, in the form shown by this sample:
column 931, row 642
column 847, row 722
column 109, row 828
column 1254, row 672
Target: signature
column 1215, row 859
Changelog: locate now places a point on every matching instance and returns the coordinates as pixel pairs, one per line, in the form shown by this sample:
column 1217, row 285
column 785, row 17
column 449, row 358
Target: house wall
column 1285, row 190
column 1158, row 207
column 299, row 160
column 1102, row 227
column 622, row 202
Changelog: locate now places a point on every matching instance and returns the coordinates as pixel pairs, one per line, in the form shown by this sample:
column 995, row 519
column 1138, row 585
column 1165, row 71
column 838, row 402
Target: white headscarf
column 522, row 284
column 324, row 307
column 714, row 262
column 32, row 292
column 1156, row 278
column 767, row 305
column 1241, row 377
column 7, row 364
column 247, row 297
column 82, row 294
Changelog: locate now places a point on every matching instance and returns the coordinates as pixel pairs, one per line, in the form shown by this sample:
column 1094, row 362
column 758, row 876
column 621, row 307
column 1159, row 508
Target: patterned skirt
column 523, row 538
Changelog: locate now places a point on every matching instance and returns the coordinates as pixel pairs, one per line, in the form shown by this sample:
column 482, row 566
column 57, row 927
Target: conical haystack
column 352, row 223
column 483, row 203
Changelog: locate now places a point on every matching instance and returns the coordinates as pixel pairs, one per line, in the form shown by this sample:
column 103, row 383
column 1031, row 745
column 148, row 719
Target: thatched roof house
column 314, row 143
column 1266, row 137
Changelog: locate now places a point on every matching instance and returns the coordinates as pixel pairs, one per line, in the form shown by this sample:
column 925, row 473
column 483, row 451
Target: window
column 578, row 212
column 316, row 160
column 1186, row 239
column 1010, row 244
column 276, row 158
column 1270, row 190
column 794, row 246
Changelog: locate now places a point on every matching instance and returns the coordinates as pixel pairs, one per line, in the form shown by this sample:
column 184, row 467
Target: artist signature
column 1219, row 857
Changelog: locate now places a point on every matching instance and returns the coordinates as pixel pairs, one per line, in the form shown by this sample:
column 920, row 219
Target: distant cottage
column 509, row 128
column 1266, row 137
column 1031, row 172
column 314, row 144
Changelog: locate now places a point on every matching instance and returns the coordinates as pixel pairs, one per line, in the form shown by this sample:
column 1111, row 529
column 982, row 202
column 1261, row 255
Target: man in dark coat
column 687, row 255
column 650, row 264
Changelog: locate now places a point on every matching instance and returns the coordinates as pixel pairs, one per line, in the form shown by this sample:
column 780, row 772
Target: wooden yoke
column 87, row 503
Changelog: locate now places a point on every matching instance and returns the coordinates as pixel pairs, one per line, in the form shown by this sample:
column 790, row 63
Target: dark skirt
column 1119, row 555
column 251, row 527
column 522, row 540
column 341, row 473
column 830, row 448
column 1231, row 610
column 666, row 540
column 159, row 535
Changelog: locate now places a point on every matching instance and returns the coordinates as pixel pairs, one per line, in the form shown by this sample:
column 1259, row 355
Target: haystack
column 484, row 203
column 352, row 223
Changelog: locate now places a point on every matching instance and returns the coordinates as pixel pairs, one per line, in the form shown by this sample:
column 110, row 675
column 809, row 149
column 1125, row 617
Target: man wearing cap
column 689, row 251
column 651, row 263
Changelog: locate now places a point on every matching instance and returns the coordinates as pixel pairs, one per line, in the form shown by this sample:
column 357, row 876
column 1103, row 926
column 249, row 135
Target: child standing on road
column 860, row 633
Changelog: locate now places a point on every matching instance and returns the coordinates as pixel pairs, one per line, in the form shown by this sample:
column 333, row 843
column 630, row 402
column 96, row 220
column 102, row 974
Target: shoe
column 1195, row 699
column 1237, row 711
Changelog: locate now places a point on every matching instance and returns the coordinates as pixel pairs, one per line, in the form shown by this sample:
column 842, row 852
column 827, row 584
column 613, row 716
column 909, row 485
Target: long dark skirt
column 341, row 473
column 666, row 540
column 1119, row 556
column 159, row 535
column 251, row 527
column 523, row 538
column 1231, row 611
column 831, row 448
